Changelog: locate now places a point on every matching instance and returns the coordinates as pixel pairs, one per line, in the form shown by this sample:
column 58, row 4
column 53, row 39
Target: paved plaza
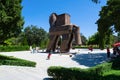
column 83, row 59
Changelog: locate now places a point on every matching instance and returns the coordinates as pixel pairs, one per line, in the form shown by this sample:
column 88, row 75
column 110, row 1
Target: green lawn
column 112, row 75
column 112, row 72
column 10, row 60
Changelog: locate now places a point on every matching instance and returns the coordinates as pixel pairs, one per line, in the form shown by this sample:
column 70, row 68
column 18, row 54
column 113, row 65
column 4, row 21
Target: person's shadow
column 48, row 79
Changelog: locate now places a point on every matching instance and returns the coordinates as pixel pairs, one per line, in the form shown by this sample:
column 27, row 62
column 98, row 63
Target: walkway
column 40, row 71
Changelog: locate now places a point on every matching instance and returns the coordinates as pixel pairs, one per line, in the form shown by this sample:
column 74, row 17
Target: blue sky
column 84, row 13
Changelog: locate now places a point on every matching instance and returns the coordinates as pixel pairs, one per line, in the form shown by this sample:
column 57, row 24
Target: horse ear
column 52, row 19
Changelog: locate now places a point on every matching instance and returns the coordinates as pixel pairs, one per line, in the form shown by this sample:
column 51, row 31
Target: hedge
column 94, row 73
column 9, row 60
column 13, row 48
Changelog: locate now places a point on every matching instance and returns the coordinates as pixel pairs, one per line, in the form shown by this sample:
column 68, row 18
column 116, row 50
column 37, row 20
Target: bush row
column 9, row 60
column 106, row 71
column 13, row 48
column 112, row 75
column 116, row 63
column 94, row 73
column 86, row 47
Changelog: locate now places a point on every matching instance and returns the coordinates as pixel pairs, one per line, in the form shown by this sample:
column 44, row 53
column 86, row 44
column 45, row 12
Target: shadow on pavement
column 48, row 79
column 90, row 59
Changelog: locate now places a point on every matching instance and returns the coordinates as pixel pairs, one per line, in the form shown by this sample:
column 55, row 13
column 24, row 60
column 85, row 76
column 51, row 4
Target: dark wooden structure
column 60, row 27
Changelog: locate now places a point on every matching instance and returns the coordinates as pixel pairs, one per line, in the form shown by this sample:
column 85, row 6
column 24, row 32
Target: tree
column 83, row 39
column 11, row 21
column 11, row 41
column 109, row 19
column 96, row 1
column 94, row 39
column 117, row 37
column 35, row 36
column 21, row 39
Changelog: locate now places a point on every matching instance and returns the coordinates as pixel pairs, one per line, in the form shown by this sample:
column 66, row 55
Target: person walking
column 108, row 52
column 91, row 48
column 114, row 51
column 49, row 55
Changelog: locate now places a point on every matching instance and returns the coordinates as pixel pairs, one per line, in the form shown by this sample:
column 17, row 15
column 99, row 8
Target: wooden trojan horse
column 60, row 27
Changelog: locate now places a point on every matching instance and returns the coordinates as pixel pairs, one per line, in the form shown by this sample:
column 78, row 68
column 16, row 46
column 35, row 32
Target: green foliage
column 9, row 60
column 102, row 68
column 61, row 73
column 13, row 48
column 116, row 63
column 21, row 39
column 95, row 73
column 109, row 19
column 11, row 41
column 97, row 39
column 35, row 36
column 118, row 37
column 105, row 71
column 94, row 39
column 83, row 39
column 44, row 43
column 112, row 75
column 86, row 47
column 11, row 21
column 96, row 1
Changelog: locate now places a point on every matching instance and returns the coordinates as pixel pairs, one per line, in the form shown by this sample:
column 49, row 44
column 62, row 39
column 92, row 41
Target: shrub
column 86, row 47
column 100, row 69
column 111, row 75
column 94, row 73
column 116, row 63
column 61, row 73
column 9, row 60
column 13, row 48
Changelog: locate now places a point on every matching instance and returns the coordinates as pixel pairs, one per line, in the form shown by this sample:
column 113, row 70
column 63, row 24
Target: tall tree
column 109, row 19
column 35, row 35
column 94, row 39
column 11, row 21
column 117, row 38
column 96, row 1
column 83, row 39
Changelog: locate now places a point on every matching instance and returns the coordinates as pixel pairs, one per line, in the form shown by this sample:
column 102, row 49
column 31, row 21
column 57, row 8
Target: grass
column 10, row 60
column 112, row 72
column 111, row 75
